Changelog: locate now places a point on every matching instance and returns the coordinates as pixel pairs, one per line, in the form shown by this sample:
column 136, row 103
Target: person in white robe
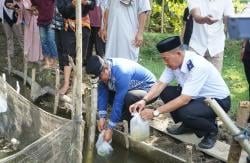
column 124, row 22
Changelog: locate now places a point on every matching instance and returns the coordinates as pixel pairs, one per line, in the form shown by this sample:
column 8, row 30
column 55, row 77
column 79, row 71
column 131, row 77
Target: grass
column 233, row 72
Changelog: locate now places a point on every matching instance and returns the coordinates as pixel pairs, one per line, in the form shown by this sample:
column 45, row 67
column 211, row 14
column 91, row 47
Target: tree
column 171, row 13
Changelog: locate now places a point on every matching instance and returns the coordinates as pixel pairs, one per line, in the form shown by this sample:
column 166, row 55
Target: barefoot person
column 67, row 10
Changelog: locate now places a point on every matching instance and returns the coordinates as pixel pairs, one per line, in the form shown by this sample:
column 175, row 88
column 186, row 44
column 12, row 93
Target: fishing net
column 41, row 136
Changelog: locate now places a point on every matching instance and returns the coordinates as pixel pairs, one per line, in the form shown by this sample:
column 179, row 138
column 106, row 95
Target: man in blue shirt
column 122, row 82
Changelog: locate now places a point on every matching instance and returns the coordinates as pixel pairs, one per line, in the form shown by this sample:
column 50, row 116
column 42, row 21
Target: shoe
column 248, row 159
column 180, row 130
column 208, row 141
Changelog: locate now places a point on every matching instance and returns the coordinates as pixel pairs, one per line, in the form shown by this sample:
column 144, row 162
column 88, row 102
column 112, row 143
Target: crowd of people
column 115, row 28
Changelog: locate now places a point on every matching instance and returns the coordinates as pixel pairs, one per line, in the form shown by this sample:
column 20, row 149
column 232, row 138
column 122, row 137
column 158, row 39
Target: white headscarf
column 9, row 12
column 1, row 8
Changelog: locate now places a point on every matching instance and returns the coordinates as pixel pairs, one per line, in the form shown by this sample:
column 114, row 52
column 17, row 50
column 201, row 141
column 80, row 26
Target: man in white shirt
column 123, row 27
column 197, row 79
column 208, row 37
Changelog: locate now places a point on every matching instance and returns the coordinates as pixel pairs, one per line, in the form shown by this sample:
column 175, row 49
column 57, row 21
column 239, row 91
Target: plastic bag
column 3, row 103
column 139, row 128
column 103, row 148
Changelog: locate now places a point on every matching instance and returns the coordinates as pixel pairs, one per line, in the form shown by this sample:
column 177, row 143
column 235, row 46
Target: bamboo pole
column 125, row 126
column 77, row 96
column 9, row 64
column 4, row 85
column 189, row 153
column 91, row 123
column 25, row 71
column 228, row 123
column 241, row 118
column 56, row 92
column 33, row 78
column 162, row 15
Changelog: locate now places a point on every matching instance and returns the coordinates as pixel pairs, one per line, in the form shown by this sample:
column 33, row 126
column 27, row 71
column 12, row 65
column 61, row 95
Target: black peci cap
column 94, row 65
column 168, row 44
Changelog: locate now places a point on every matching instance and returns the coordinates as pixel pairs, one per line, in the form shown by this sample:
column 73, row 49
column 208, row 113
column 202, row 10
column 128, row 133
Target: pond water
column 121, row 155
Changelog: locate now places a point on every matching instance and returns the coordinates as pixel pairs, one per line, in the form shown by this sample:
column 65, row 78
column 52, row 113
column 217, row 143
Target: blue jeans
column 47, row 36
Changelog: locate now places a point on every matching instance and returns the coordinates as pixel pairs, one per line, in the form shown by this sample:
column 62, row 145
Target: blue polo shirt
column 125, row 75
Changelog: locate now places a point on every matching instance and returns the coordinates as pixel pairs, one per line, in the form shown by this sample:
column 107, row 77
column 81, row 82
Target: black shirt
column 187, row 17
column 247, row 51
column 67, row 9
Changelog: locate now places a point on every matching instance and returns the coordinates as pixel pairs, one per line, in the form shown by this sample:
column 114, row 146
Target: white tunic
column 123, row 23
column 210, row 37
column 197, row 77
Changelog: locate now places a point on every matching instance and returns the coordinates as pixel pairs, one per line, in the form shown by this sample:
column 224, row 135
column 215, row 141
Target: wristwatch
column 156, row 113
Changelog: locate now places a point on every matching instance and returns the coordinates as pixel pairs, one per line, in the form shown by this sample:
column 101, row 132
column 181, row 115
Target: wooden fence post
column 56, row 92
column 33, row 79
column 25, row 70
column 241, row 119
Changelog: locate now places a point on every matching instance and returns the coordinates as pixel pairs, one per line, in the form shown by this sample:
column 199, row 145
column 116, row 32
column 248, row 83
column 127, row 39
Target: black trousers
column 247, row 73
column 69, row 45
column 196, row 114
column 94, row 39
column 130, row 98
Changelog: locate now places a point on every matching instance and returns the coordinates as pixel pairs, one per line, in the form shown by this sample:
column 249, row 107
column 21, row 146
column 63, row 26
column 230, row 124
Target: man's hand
column 101, row 124
column 35, row 12
column 18, row 11
column 138, row 39
column 147, row 114
column 103, row 35
column 108, row 135
column 137, row 107
column 210, row 19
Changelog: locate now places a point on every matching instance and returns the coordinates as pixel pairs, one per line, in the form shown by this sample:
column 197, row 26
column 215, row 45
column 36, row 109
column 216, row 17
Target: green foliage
column 149, row 56
column 233, row 72
column 238, row 6
column 173, row 14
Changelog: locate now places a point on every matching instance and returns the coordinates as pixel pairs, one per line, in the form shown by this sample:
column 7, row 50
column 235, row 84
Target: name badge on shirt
column 190, row 65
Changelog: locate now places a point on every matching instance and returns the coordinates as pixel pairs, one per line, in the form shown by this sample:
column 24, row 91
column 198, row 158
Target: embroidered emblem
column 190, row 65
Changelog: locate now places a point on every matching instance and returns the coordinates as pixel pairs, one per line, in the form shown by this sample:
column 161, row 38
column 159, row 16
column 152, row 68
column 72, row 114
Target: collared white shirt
column 197, row 77
column 210, row 37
